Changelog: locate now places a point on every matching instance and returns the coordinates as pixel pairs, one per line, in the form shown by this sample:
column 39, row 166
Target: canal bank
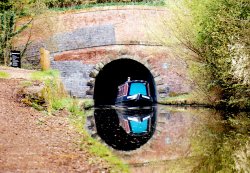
column 42, row 135
column 184, row 139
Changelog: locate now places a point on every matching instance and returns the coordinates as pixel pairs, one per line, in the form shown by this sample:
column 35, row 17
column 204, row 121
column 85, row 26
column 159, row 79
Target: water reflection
column 125, row 129
column 136, row 122
column 184, row 139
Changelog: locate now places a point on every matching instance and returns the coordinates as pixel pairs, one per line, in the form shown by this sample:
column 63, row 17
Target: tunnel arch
column 107, row 77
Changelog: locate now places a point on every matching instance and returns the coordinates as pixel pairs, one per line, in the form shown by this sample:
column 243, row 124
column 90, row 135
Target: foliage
column 96, row 147
column 218, row 32
column 93, row 3
column 10, row 12
column 7, row 32
column 33, row 7
column 43, row 75
column 226, row 150
column 5, row 5
column 55, row 95
column 183, row 99
column 22, row 7
column 4, row 74
column 103, row 152
column 53, row 92
column 56, row 99
column 87, row 103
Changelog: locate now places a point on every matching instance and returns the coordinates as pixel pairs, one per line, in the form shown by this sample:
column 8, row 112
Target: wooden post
column 44, row 59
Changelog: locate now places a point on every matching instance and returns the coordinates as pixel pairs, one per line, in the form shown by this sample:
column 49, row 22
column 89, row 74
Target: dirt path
column 30, row 141
column 17, row 73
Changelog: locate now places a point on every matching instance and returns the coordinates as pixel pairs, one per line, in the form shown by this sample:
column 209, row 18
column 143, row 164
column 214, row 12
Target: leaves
column 218, row 27
column 7, row 32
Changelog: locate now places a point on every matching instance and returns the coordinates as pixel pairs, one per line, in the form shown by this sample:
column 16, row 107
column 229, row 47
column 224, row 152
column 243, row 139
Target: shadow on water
column 125, row 129
column 178, row 140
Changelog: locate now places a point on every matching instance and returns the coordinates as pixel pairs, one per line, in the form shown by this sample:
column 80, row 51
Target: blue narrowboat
column 134, row 93
column 135, row 122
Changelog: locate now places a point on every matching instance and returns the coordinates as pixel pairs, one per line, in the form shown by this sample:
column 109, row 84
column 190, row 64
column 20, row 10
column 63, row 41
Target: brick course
column 79, row 40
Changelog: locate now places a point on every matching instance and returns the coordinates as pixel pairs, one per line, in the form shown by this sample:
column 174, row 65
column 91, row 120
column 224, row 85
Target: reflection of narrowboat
column 134, row 93
column 135, row 122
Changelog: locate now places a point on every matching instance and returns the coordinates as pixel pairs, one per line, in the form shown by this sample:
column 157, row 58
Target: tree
column 218, row 32
column 7, row 32
column 5, row 5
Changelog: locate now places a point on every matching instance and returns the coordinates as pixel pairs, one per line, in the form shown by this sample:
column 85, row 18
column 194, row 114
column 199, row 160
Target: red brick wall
column 132, row 24
column 138, row 32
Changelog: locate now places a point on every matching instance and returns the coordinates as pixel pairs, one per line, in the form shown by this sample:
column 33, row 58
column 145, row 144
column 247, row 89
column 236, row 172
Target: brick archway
column 156, row 78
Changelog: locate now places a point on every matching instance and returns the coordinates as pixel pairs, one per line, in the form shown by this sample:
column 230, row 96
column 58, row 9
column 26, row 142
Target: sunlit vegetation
column 28, row 7
column 225, row 149
column 91, row 5
column 217, row 35
column 7, row 32
column 53, row 98
column 4, row 74
column 191, row 99
column 78, row 4
column 95, row 146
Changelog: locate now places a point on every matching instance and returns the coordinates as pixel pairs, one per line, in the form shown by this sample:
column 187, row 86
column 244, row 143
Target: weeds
column 44, row 75
column 56, row 99
column 185, row 99
column 95, row 147
column 26, row 83
column 4, row 75
column 87, row 6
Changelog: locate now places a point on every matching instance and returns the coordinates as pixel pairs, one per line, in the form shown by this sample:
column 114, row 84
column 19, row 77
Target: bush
column 219, row 35
column 71, row 3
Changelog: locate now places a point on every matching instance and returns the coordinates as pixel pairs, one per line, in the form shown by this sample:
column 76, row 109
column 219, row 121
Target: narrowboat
column 134, row 93
column 136, row 122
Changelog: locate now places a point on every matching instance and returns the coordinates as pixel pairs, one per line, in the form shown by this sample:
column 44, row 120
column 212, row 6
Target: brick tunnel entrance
column 115, row 73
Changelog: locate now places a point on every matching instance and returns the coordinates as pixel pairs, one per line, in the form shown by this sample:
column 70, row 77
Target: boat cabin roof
column 136, row 81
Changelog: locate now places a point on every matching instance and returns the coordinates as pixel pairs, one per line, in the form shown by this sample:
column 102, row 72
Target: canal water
column 174, row 139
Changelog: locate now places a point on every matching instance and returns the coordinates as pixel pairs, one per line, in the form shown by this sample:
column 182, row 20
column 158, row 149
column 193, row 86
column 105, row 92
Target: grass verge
column 94, row 146
column 184, row 99
column 56, row 99
column 4, row 75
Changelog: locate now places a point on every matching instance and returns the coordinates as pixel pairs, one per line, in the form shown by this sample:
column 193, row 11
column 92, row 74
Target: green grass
column 184, row 99
column 43, row 75
column 87, row 103
column 180, row 99
column 95, row 147
column 102, row 151
column 78, row 119
column 56, row 100
column 4, row 75
column 62, row 103
column 87, row 6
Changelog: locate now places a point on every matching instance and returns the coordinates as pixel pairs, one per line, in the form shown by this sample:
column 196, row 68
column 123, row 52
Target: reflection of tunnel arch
column 116, row 73
column 110, row 131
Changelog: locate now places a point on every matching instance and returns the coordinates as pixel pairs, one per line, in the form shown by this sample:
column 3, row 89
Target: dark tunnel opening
column 116, row 73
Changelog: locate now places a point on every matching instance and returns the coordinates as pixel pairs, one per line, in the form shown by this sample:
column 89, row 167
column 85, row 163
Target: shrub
column 70, row 3
column 218, row 32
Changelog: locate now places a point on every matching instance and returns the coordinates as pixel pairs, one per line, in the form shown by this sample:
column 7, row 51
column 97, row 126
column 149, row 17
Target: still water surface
column 175, row 139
